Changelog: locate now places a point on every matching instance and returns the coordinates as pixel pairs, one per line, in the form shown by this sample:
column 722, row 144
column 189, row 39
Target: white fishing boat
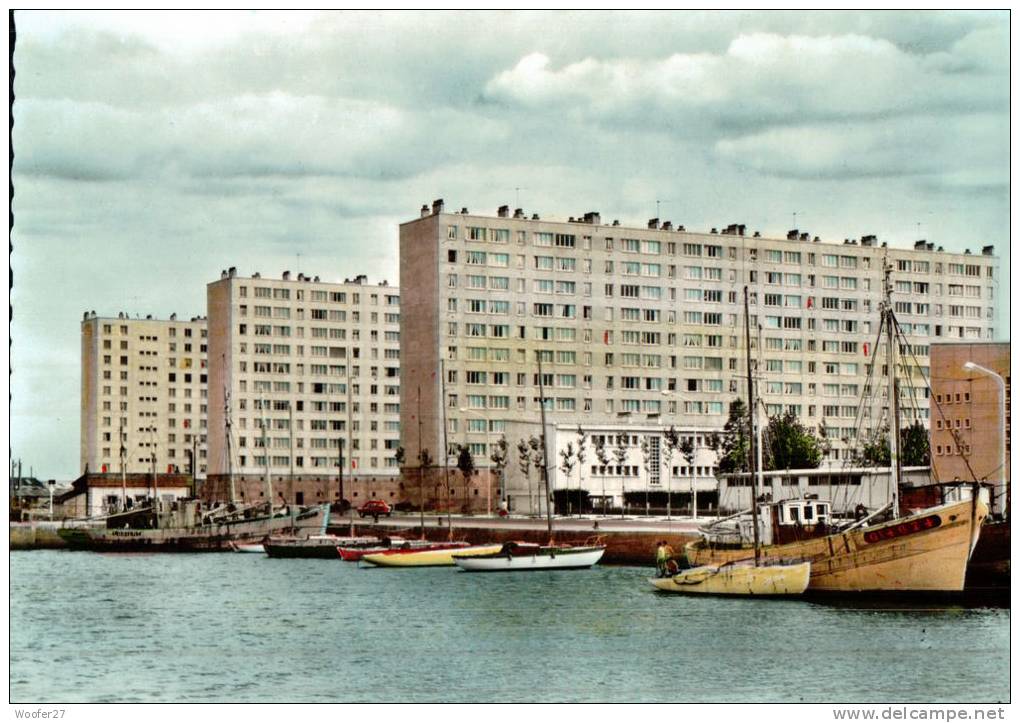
column 250, row 547
column 514, row 556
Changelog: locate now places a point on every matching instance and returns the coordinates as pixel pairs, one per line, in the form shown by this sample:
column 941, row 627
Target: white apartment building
column 319, row 362
column 143, row 384
column 640, row 329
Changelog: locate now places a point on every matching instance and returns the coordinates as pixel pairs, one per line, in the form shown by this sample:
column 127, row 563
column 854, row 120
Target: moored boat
column 926, row 551
column 512, row 556
column 438, row 554
column 249, row 547
column 313, row 546
column 738, row 578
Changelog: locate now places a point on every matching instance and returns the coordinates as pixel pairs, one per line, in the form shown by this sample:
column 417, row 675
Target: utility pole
column 421, row 477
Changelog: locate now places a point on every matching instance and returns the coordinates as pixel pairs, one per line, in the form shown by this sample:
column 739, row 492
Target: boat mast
column 545, row 449
column 894, row 407
column 421, row 478
column 230, row 452
column 265, row 451
column 123, row 469
column 446, row 448
column 752, row 413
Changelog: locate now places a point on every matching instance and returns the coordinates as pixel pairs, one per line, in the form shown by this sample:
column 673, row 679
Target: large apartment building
column 318, row 364
column 640, row 329
column 143, row 386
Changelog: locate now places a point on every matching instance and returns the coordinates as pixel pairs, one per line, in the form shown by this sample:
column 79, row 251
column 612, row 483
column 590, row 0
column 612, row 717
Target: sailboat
column 926, row 551
column 748, row 576
column 194, row 526
column 529, row 556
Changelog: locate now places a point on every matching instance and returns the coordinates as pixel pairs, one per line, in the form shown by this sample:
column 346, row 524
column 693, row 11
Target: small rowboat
column 529, row 556
column 435, row 555
column 353, row 552
column 254, row 547
column 742, row 578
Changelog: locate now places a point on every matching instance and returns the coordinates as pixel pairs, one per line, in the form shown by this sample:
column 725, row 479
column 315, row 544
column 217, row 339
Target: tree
column 567, row 466
column 791, row 445
column 602, row 455
column 687, row 452
column 620, row 453
column 915, row 450
column 466, row 465
column 582, row 440
column 524, row 464
column 424, row 462
column 537, row 445
column 671, row 441
column 646, row 462
column 915, row 447
column 733, row 444
column 499, row 457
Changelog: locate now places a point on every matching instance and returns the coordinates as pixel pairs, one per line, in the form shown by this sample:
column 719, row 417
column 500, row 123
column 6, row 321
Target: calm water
column 226, row 627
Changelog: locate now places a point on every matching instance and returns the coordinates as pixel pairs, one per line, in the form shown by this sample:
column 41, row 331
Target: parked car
column 375, row 508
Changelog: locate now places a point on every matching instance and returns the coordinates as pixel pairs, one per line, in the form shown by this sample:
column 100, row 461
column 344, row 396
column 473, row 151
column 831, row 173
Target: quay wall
column 35, row 536
column 632, row 547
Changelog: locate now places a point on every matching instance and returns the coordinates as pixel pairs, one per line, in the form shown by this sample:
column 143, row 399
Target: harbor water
column 89, row 627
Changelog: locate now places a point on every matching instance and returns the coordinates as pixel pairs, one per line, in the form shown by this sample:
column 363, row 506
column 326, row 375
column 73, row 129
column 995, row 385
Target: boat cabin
column 794, row 519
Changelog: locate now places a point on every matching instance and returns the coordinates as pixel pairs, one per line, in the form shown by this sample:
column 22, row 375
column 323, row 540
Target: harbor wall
column 631, row 547
column 35, row 536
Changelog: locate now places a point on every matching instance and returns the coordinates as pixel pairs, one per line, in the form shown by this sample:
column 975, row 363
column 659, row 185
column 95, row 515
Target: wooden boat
column 184, row 528
column 512, row 556
column 313, row 546
column 738, row 578
column 250, row 547
column 438, row 554
column 926, row 551
column 353, row 552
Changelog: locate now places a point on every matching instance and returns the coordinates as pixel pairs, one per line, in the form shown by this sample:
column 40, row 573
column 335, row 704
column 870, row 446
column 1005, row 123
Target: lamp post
column 50, row 484
column 972, row 367
column 488, row 451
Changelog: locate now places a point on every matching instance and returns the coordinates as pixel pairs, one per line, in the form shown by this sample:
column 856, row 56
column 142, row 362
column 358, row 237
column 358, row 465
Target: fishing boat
column 514, row 556
column 249, row 547
column 353, row 552
column 313, row 546
column 884, row 551
column 739, row 578
column 183, row 526
column 437, row 554
column 749, row 576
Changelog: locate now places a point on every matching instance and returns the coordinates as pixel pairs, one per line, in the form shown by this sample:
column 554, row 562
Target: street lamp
column 972, row 367
column 488, row 451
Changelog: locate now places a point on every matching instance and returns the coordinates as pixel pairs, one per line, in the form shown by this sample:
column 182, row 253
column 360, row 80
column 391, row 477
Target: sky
column 153, row 150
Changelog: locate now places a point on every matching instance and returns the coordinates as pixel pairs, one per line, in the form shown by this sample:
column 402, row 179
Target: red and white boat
column 353, row 552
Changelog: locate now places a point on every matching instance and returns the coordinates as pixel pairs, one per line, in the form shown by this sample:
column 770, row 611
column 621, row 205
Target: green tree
column 569, row 460
column 398, row 455
column 602, row 455
column 915, row 448
column 733, row 444
column 499, row 457
column 791, row 445
column 620, row 454
column 466, row 465
column 524, row 464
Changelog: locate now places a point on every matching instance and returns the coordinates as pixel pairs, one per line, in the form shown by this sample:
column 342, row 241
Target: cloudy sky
column 152, row 151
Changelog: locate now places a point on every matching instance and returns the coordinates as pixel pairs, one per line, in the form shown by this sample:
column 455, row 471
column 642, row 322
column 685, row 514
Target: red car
column 375, row 508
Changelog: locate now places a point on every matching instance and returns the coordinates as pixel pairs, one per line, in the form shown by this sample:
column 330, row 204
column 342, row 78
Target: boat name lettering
column 904, row 528
column 126, row 533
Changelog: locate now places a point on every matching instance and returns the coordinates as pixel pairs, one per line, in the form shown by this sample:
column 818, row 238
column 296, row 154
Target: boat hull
column 216, row 537
column 424, row 558
column 252, row 548
column 742, row 580
column 927, row 551
column 578, row 559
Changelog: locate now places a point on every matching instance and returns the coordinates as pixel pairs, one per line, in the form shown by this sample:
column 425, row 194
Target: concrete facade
column 966, row 431
column 320, row 363
column 143, row 381
column 640, row 329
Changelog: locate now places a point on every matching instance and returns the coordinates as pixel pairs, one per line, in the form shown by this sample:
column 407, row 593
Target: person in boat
column 661, row 558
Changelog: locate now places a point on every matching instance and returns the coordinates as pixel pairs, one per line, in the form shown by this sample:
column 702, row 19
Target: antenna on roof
column 658, row 203
column 517, row 196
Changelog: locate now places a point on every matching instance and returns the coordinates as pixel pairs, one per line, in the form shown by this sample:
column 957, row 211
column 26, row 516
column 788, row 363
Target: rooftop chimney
column 667, row 225
column 988, row 250
column 593, row 217
column 256, row 275
column 232, row 271
column 714, row 230
column 503, row 212
column 792, row 235
column 680, row 228
column 518, row 213
column 616, row 222
column 920, row 245
column 223, row 274
column 316, row 279
column 966, row 252
column 653, row 223
column 173, row 317
column 757, row 234
column 286, row 276
column 464, row 210
column 868, row 240
column 534, row 217
column 437, row 206
column 424, row 210
column 805, row 236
